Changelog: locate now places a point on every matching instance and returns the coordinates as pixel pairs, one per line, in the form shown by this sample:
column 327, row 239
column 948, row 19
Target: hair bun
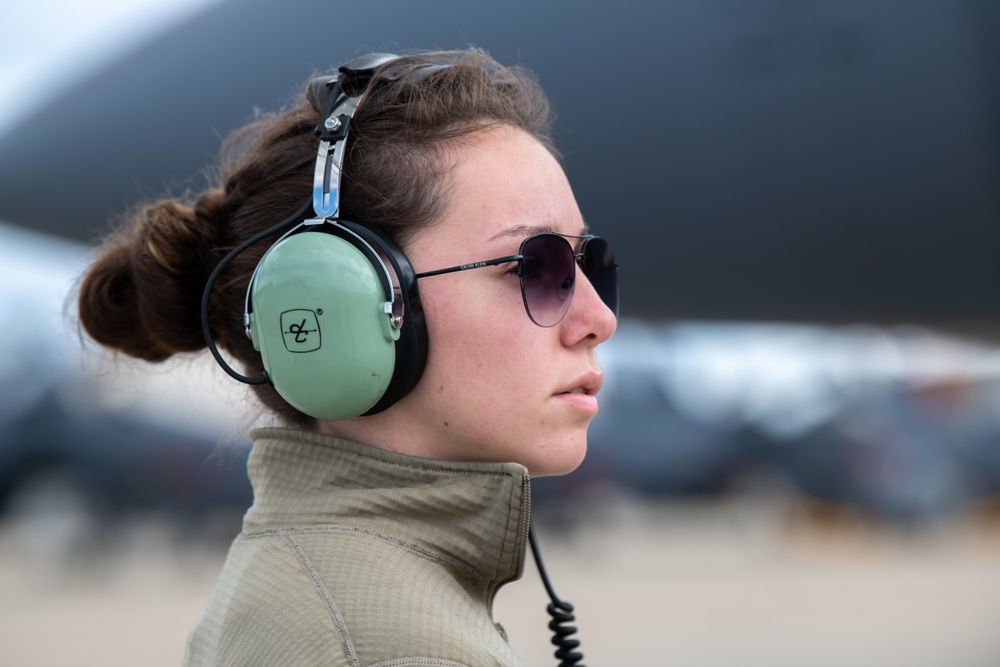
column 143, row 295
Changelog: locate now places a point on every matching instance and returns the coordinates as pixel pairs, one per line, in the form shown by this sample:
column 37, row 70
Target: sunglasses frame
column 578, row 257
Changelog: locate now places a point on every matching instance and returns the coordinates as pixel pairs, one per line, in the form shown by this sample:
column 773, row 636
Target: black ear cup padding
column 411, row 348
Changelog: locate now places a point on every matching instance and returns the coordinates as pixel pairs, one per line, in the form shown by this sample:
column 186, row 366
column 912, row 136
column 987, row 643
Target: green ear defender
column 332, row 306
column 321, row 323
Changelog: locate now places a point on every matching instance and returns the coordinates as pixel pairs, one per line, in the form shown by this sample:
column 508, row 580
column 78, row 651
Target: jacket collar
column 473, row 516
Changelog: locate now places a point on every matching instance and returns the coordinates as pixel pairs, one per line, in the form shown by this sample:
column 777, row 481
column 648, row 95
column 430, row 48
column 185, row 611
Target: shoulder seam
column 417, row 550
column 327, row 599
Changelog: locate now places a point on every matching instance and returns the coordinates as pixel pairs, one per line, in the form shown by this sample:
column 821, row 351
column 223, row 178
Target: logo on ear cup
column 300, row 330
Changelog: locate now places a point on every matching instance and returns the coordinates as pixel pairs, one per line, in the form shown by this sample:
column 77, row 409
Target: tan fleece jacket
column 354, row 556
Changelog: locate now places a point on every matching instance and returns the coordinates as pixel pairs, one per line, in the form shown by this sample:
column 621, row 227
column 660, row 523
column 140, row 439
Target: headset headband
column 339, row 96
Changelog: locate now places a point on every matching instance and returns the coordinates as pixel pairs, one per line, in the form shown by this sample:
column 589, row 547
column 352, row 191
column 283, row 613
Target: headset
column 333, row 306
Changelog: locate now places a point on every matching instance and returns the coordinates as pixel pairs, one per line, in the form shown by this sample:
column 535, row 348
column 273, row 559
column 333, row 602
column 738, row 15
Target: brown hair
column 142, row 295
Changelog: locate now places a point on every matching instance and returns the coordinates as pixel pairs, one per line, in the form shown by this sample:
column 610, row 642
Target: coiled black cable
column 561, row 613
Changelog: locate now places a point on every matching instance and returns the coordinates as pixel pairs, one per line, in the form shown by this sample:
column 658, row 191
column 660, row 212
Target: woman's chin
column 560, row 459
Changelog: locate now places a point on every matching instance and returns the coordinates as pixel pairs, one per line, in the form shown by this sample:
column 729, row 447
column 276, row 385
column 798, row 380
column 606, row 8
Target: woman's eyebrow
column 524, row 231
column 521, row 231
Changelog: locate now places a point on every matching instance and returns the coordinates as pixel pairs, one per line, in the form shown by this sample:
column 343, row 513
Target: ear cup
column 319, row 321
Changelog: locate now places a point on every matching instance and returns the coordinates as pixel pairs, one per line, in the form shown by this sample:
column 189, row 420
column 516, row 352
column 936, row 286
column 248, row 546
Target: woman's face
column 497, row 387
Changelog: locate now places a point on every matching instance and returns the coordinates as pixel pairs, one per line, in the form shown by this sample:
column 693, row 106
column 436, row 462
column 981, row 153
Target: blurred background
column 797, row 459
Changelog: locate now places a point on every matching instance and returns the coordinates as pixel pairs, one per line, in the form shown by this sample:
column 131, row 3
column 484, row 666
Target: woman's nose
column 588, row 317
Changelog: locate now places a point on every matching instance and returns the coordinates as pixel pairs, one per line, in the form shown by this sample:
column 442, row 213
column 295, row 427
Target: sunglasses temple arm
column 473, row 265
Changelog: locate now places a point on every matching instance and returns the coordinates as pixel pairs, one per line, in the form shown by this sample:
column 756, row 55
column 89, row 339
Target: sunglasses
column 547, row 271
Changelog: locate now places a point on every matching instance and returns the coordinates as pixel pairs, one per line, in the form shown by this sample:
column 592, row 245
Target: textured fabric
column 354, row 556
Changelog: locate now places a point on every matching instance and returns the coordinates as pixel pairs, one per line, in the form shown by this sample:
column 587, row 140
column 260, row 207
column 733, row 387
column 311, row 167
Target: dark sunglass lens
column 602, row 271
column 548, row 272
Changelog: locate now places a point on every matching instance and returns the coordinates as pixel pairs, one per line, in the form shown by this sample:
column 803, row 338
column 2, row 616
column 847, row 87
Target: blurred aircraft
column 74, row 441
column 902, row 423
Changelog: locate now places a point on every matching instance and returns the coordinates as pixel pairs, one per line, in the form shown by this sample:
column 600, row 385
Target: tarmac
column 732, row 582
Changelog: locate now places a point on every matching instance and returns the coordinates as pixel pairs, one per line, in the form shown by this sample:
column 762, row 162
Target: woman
column 392, row 501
